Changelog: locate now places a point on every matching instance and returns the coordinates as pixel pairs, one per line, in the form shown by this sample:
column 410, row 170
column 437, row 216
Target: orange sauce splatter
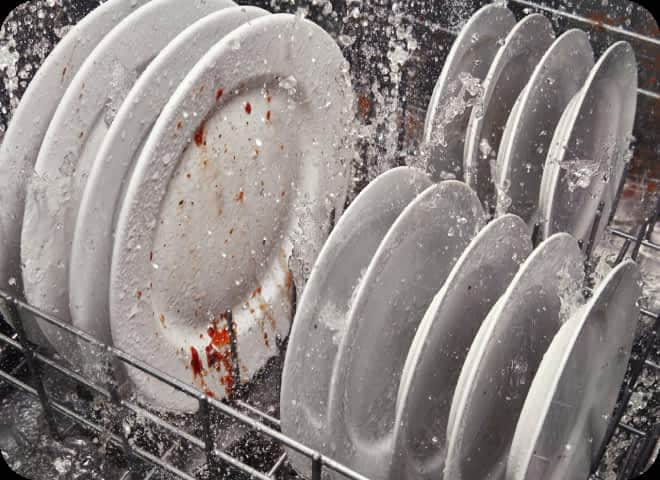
column 200, row 135
column 218, row 93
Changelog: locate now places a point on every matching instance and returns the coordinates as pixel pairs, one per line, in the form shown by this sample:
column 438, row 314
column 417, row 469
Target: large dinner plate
column 20, row 145
column 72, row 141
column 318, row 327
column 410, row 266
column 505, row 355
column 458, row 89
column 91, row 251
column 241, row 173
column 528, row 132
column 509, row 72
column 442, row 341
column 572, row 396
column 587, row 158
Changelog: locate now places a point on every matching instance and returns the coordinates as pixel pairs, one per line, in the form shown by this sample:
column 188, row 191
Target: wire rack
column 33, row 367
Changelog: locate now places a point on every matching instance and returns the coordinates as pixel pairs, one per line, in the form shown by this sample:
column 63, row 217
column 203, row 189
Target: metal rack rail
column 221, row 463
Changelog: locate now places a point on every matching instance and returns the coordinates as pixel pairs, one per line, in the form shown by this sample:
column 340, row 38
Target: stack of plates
column 183, row 158
column 427, row 341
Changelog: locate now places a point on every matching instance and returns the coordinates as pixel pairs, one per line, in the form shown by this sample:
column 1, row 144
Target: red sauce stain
column 364, row 105
column 231, row 232
column 268, row 115
column 281, row 147
column 263, row 307
column 180, row 203
column 195, row 362
column 218, row 93
column 219, row 338
column 266, row 342
column 240, row 196
column 139, row 294
column 268, row 97
column 200, row 135
column 257, row 291
column 179, row 125
column 283, row 194
column 82, row 134
column 188, row 175
column 151, row 256
column 289, row 280
column 248, row 108
column 162, row 319
column 209, row 393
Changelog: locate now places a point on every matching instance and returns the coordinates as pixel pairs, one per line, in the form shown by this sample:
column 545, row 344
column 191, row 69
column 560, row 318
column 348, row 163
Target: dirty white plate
column 20, row 146
column 574, row 392
column 322, row 311
column 528, row 132
column 586, row 159
column 507, row 77
column 240, row 173
column 459, row 88
column 91, row 252
column 504, row 356
column 442, row 341
column 411, row 264
column 72, row 141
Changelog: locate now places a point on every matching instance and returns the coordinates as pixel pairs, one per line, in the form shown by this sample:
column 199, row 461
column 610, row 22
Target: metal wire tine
column 638, row 241
column 622, row 252
column 115, row 397
column 594, row 230
column 654, row 219
column 619, row 191
column 280, row 461
column 536, row 234
column 264, row 416
column 628, row 464
column 205, row 417
column 317, row 466
column 34, row 368
column 233, row 346
column 645, row 243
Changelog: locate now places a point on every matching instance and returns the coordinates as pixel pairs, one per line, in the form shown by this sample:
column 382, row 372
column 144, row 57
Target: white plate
column 528, row 132
column 509, row 72
column 20, row 146
column 504, row 356
column 322, row 310
column 72, row 141
column 410, row 266
column 458, row 88
column 91, row 252
column 219, row 197
column 574, row 392
column 441, row 343
column 586, row 162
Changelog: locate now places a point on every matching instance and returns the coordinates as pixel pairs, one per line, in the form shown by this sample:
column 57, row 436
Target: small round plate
column 458, row 89
column 242, row 170
column 586, row 160
column 528, row 132
column 72, row 141
column 410, row 266
column 508, row 75
column 20, row 145
column 91, row 252
column 504, row 356
column 442, row 341
column 320, row 319
column 573, row 394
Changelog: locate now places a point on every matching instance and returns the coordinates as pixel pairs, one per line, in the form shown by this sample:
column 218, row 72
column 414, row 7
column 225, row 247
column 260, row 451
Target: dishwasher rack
column 142, row 461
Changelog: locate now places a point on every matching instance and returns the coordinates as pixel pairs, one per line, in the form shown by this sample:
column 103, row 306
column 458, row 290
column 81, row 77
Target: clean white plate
column 442, row 341
column 573, row 394
column 410, row 266
column 458, row 88
column 508, row 75
column 91, row 252
column 322, row 310
column 528, row 132
column 504, row 356
column 585, row 163
column 227, row 189
column 72, row 141
column 20, row 146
